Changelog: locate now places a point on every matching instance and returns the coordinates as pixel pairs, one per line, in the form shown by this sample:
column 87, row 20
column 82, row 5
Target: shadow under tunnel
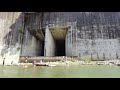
column 42, row 52
column 60, row 48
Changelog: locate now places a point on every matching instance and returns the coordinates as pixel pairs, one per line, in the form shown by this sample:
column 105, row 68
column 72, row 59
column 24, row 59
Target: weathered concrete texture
column 10, row 26
column 31, row 46
column 49, row 43
column 71, row 40
column 32, row 43
column 98, row 49
column 92, row 35
column 87, row 28
column 68, row 45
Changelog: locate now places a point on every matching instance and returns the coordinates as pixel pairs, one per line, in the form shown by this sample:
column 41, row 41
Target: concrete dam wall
column 89, row 35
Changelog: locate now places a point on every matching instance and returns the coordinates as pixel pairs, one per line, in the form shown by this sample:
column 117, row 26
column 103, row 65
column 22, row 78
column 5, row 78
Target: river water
column 71, row 71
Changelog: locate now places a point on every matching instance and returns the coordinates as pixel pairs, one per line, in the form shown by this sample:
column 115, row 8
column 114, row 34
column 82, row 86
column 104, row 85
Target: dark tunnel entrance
column 55, row 41
column 60, row 48
column 42, row 49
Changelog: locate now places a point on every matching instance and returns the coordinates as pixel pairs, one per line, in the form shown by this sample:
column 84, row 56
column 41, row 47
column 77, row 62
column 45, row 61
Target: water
column 71, row 71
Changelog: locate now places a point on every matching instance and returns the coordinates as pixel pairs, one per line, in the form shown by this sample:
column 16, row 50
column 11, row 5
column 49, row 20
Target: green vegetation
column 21, row 31
column 88, row 61
column 18, row 49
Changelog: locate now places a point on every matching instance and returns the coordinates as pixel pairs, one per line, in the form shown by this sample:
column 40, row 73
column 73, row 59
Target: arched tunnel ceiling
column 38, row 33
column 59, row 33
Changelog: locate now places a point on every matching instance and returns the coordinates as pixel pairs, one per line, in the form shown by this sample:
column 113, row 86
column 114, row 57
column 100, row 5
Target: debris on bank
column 67, row 62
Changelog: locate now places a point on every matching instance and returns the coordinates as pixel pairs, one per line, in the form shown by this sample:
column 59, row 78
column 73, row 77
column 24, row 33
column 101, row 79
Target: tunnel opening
column 42, row 49
column 55, row 38
column 60, row 48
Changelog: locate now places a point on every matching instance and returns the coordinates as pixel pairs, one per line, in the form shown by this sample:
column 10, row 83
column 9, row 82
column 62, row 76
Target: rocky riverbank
column 72, row 62
column 77, row 62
